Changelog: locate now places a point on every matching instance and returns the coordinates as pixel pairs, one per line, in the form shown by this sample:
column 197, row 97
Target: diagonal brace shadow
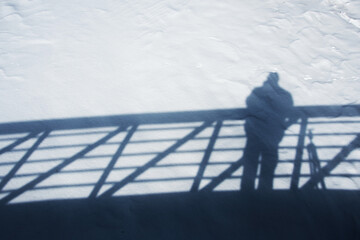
column 325, row 171
column 154, row 161
column 18, row 142
column 205, row 160
column 111, row 164
column 17, row 166
column 227, row 173
column 56, row 169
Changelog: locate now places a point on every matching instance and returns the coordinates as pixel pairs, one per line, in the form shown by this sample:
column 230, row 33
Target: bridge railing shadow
column 101, row 157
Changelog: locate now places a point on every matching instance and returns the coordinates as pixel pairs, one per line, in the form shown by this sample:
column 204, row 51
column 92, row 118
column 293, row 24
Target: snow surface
column 69, row 58
column 72, row 58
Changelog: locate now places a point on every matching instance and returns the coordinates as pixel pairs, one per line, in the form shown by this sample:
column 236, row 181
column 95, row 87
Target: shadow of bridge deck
column 135, row 177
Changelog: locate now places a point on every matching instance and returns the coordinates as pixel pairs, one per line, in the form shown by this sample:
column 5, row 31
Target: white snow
column 72, row 58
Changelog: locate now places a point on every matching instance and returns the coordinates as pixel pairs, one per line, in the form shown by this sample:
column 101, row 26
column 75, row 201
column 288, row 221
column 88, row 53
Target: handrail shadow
column 204, row 138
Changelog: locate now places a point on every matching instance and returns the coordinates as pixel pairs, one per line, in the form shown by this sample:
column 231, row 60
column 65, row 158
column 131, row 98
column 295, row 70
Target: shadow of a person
column 270, row 113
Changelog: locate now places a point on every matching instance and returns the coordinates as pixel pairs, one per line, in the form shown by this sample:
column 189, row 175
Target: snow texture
column 75, row 58
column 70, row 58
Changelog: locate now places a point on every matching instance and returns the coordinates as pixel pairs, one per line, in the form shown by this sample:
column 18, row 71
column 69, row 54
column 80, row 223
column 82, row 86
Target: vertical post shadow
column 56, row 169
column 111, row 164
column 325, row 171
column 18, row 142
column 294, row 184
column 205, row 160
column 154, row 161
column 26, row 156
column 314, row 161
